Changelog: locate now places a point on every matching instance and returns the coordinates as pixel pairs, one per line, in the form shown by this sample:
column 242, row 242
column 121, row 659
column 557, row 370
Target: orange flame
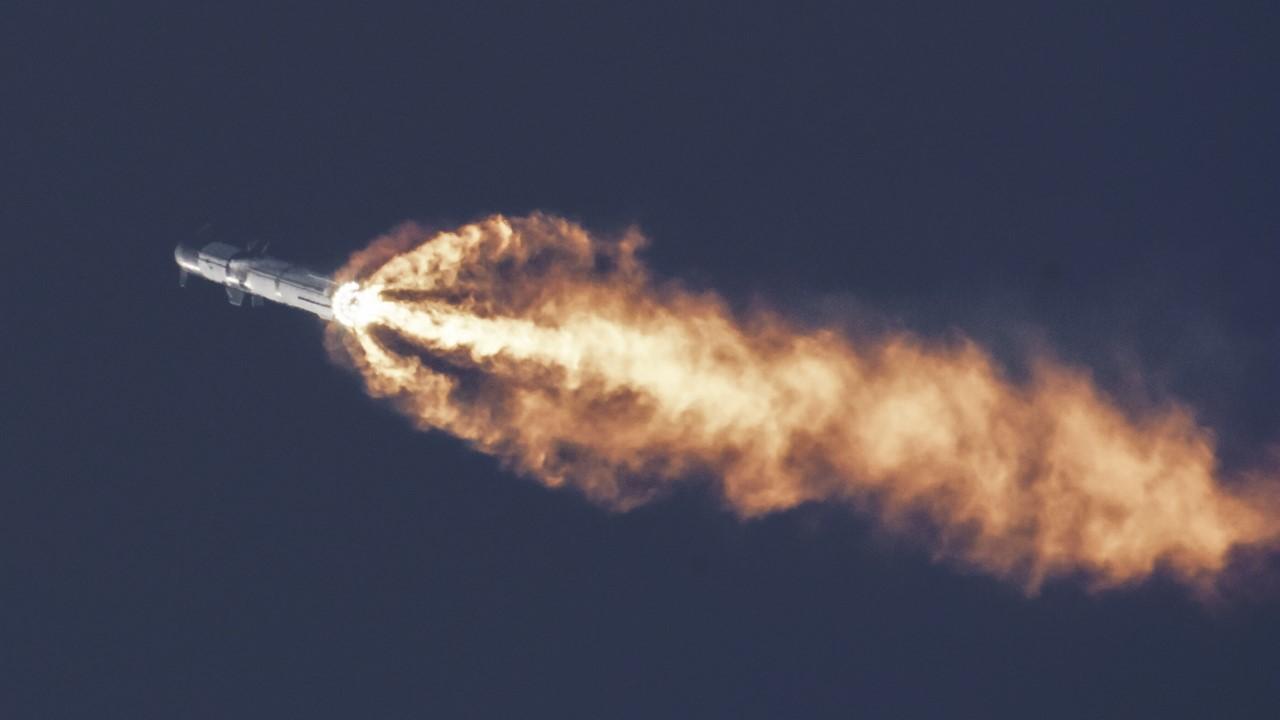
column 555, row 350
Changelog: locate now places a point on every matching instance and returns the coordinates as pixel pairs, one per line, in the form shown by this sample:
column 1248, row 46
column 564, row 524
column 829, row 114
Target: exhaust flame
column 553, row 349
column 354, row 307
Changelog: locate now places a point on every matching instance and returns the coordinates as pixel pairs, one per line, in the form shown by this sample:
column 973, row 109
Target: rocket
column 253, row 273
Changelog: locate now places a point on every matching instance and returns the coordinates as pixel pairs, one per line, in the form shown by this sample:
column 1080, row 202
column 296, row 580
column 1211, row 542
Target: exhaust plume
column 554, row 349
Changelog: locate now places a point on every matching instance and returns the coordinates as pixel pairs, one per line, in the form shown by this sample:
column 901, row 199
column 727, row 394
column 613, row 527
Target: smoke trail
column 555, row 350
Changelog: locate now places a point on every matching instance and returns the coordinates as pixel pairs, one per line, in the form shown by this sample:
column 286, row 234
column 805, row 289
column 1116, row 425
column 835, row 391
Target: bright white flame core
column 354, row 306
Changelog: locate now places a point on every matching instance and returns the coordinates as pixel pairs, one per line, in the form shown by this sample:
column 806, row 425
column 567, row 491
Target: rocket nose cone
column 186, row 257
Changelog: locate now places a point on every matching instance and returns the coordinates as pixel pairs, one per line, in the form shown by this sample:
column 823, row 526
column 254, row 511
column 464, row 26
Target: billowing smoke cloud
column 555, row 350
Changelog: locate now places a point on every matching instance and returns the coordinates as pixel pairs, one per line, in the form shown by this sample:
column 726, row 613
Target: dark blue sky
column 201, row 516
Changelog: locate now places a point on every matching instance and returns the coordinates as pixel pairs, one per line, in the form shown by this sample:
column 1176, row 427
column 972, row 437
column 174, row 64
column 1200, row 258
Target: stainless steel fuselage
column 259, row 276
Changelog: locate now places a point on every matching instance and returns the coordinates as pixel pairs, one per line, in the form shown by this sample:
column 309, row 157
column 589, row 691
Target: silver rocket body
column 251, row 273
